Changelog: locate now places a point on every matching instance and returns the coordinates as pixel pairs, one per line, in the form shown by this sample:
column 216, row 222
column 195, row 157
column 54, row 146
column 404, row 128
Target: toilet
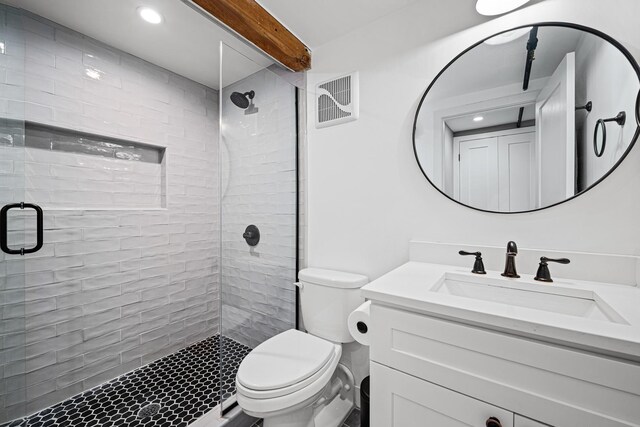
column 294, row 379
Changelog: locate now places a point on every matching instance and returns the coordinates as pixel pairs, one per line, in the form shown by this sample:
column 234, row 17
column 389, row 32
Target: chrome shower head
column 242, row 100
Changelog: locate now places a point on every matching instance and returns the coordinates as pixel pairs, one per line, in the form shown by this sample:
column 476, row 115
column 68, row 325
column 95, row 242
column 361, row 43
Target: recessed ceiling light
column 478, row 118
column 498, row 7
column 150, row 15
column 507, row 37
column 93, row 73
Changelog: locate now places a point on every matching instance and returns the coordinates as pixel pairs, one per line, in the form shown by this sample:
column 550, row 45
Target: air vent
column 337, row 101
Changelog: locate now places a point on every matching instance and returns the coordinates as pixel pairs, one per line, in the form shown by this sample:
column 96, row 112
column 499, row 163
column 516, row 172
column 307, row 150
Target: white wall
column 605, row 78
column 366, row 194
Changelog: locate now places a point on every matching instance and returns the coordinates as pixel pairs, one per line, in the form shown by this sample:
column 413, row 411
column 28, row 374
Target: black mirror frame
column 614, row 42
column 637, row 116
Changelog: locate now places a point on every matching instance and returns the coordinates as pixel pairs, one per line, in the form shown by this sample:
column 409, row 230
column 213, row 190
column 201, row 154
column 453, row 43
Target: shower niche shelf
column 53, row 138
column 69, row 169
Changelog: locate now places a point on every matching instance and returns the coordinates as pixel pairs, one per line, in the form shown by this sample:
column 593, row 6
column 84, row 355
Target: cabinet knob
column 493, row 422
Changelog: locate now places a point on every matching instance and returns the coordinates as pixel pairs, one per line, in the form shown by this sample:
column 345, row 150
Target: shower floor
column 173, row 391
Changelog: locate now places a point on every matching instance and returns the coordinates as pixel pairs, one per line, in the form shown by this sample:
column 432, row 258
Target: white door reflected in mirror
column 555, row 131
column 496, row 171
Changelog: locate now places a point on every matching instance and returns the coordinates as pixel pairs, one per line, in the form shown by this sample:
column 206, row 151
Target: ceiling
column 186, row 42
column 501, row 116
column 492, row 66
column 487, row 66
column 315, row 22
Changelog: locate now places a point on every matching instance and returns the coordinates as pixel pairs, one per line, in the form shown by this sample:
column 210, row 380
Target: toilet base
column 301, row 418
column 335, row 413
column 331, row 415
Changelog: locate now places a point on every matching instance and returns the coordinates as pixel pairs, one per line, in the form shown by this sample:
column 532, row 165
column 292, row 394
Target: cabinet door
column 400, row 400
column 520, row 421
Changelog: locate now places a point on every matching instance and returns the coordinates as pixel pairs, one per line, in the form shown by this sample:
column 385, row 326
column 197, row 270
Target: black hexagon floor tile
column 185, row 385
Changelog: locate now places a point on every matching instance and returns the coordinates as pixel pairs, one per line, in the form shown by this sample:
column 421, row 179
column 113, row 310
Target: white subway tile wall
column 67, row 180
column 113, row 288
column 259, row 187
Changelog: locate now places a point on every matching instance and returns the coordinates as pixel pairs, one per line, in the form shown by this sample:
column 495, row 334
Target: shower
column 142, row 295
column 244, row 101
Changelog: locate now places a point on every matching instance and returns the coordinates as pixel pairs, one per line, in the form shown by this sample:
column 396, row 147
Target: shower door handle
column 4, row 229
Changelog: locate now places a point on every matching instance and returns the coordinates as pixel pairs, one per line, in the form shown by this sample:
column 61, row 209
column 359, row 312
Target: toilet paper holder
column 362, row 327
column 358, row 324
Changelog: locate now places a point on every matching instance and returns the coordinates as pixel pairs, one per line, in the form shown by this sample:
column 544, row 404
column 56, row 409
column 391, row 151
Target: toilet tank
column 327, row 298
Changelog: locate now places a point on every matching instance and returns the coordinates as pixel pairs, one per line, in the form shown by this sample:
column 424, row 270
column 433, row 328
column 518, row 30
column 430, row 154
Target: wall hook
column 588, row 106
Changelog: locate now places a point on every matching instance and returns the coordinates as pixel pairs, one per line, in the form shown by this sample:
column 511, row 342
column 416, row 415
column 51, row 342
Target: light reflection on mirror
column 492, row 136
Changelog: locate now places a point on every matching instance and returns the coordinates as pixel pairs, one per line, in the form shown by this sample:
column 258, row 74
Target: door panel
column 478, row 173
column 516, row 156
column 257, row 188
column 19, row 225
column 555, row 122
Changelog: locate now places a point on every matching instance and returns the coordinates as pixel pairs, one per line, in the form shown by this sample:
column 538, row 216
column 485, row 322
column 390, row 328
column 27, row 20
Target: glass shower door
column 17, row 227
column 258, row 209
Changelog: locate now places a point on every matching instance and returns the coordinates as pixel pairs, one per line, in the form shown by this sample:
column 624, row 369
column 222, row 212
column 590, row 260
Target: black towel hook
column 588, row 106
column 620, row 119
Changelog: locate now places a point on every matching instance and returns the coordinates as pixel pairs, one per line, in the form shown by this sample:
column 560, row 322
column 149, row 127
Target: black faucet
column 510, row 265
column 478, row 265
column 543, row 274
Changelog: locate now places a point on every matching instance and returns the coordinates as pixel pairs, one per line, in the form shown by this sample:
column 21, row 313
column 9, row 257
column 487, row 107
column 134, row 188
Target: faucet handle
column 478, row 265
column 558, row 260
column 512, row 248
column 543, row 274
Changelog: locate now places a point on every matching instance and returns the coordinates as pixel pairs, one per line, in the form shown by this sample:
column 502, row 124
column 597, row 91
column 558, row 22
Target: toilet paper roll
column 358, row 323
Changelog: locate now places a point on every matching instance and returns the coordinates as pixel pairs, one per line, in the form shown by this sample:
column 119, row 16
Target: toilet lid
column 286, row 359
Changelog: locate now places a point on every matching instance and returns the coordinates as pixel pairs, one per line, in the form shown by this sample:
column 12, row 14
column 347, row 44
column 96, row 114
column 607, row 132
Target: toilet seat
column 257, row 403
column 286, row 363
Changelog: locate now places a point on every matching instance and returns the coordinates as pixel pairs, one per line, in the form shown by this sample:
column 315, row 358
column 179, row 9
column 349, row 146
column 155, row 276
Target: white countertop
column 410, row 287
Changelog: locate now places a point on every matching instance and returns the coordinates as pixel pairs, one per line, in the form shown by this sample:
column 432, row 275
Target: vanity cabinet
column 434, row 372
column 404, row 400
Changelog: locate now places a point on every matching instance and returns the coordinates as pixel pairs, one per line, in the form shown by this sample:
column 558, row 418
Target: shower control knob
column 493, row 422
column 251, row 235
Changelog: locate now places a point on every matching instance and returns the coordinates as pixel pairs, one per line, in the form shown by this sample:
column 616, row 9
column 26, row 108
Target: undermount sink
column 548, row 298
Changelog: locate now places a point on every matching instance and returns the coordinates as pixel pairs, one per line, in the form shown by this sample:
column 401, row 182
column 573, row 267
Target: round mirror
column 529, row 118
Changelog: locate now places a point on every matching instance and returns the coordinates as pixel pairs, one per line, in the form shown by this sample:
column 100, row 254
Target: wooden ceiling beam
column 254, row 23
